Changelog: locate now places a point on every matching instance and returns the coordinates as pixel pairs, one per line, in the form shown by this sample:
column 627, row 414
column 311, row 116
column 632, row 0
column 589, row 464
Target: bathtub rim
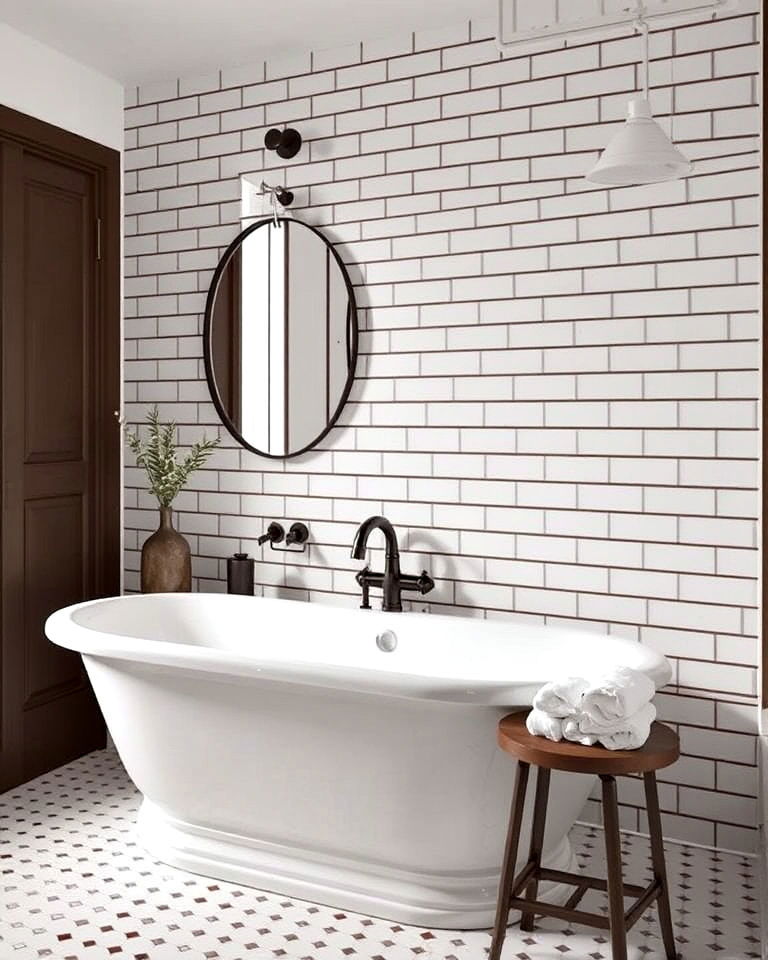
column 62, row 630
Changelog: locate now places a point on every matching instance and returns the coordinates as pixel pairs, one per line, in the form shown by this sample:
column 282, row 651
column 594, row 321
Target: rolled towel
column 540, row 724
column 572, row 731
column 616, row 696
column 627, row 734
column 561, row 698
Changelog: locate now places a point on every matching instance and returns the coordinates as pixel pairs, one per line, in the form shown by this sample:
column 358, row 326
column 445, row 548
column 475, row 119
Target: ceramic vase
column 166, row 564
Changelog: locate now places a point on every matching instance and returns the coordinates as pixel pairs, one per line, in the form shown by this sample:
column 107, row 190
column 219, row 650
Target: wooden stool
column 661, row 749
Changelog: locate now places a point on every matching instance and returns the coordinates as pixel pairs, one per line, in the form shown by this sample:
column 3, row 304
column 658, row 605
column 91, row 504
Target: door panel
column 58, row 217
column 53, row 578
column 58, row 448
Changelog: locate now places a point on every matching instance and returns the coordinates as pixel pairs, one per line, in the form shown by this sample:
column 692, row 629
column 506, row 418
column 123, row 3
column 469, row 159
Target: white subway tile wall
column 556, row 396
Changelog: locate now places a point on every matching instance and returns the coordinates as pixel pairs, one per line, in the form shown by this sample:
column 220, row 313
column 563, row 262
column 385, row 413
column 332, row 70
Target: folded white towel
column 572, row 731
column 616, row 696
column 561, row 698
column 540, row 724
column 627, row 734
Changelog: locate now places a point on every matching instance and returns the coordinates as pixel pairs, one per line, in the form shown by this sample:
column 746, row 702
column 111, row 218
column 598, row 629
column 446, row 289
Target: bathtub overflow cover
column 386, row 641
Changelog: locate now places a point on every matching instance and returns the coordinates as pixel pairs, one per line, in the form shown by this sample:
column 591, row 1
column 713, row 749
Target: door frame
column 104, row 166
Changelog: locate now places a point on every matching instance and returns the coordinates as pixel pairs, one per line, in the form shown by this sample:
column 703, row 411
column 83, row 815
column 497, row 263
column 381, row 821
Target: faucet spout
column 364, row 531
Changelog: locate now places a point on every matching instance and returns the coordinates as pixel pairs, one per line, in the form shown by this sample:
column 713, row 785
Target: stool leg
column 510, row 859
column 659, row 865
column 537, row 840
column 615, row 879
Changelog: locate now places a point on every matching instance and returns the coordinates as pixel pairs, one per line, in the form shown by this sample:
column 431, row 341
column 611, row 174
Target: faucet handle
column 275, row 534
column 362, row 578
column 425, row 583
column 299, row 533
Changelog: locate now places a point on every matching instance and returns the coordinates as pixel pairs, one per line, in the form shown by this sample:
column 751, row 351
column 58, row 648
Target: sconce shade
column 640, row 152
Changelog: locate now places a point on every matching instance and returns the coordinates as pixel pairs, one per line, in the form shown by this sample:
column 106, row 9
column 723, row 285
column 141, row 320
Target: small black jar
column 240, row 574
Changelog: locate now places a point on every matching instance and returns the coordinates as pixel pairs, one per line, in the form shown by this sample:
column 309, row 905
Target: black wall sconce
column 283, row 195
column 286, row 143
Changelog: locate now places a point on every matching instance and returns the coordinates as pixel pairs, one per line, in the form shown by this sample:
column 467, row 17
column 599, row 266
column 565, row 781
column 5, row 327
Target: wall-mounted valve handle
column 298, row 533
column 275, row 534
column 425, row 583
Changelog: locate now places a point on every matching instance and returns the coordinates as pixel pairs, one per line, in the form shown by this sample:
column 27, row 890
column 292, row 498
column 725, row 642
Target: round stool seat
column 661, row 749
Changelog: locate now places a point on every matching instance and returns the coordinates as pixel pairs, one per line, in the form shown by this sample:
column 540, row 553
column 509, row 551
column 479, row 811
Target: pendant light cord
column 641, row 25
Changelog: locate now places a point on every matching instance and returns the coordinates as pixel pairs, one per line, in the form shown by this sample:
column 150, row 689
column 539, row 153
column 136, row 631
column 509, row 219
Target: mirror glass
column 280, row 337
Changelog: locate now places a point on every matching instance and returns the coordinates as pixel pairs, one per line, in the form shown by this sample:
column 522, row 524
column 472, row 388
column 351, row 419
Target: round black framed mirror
column 280, row 337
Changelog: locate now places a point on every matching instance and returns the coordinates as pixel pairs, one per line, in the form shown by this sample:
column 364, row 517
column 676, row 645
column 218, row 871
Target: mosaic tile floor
column 74, row 885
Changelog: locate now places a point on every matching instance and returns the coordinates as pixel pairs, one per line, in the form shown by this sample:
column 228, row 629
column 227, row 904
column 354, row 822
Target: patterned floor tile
column 75, row 885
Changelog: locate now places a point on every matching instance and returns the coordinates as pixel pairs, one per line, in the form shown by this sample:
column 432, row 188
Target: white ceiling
column 140, row 40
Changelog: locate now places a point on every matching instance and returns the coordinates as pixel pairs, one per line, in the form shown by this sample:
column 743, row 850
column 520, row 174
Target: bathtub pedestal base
column 449, row 901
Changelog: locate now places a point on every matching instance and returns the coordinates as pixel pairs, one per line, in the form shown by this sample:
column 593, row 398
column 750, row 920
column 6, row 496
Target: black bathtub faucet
column 392, row 581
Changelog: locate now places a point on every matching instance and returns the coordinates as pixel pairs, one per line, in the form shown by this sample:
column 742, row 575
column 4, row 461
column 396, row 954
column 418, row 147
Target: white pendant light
column 640, row 152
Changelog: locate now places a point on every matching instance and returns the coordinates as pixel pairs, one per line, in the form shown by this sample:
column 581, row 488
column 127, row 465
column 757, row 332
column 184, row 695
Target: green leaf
column 156, row 453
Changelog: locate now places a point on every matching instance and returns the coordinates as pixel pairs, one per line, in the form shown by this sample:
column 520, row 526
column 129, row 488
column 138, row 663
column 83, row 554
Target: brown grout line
column 463, row 477
column 363, row 379
column 490, row 276
column 560, row 454
column 682, row 371
column 416, row 170
column 471, row 504
column 385, row 151
column 554, row 295
column 202, row 138
column 696, row 786
column 448, row 191
column 511, row 586
column 504, row 299
column 516, row 559
column 478, row 324
column 510, row 325
column 422, row 402
column 541, row 373
column 692, row 693
column 411, row 124
column 538, row 428
column 619, row 264
column 501, row 324
column 459, row 230
column 490, row 453
column 470, row 89
column 581, row 593
column 661, row 205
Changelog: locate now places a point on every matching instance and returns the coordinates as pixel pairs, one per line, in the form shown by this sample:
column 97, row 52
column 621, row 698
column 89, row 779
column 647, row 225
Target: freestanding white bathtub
column 277, row 746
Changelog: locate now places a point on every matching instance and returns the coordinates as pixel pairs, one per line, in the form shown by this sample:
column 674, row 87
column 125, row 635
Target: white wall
column 38, row 80
column 556, row 399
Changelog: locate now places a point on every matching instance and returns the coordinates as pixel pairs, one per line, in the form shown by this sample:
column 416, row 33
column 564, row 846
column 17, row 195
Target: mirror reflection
column 281, row 337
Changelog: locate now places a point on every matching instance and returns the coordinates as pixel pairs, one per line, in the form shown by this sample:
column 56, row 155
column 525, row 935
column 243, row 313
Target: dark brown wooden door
column 56, row 435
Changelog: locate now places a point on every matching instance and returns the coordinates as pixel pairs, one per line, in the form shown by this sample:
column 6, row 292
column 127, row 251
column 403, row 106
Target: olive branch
column 157, row 455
